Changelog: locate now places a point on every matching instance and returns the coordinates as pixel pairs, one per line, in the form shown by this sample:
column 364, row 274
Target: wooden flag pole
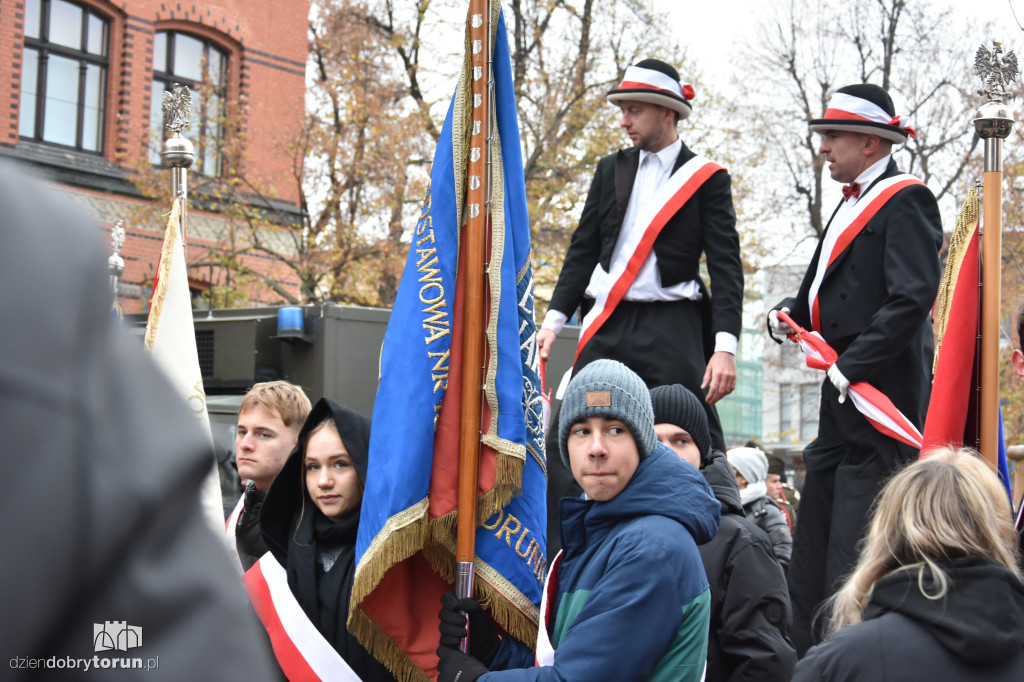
column 993, row 125
column 991, row 245
column 475, row 245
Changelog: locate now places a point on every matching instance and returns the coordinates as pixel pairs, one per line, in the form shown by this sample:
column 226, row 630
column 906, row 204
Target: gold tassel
column 958, row 243
column 383, row 648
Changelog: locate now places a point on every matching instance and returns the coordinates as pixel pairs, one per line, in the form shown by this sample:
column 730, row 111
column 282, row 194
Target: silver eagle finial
column 177, row 107
column 997, row 71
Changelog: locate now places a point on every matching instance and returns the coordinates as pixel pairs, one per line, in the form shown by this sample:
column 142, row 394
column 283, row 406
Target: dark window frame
column 208, row 134
column 45, row 48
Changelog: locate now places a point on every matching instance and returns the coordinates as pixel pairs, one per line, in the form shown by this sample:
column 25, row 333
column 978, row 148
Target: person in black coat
column 102, row 469
column 936, row 594
column 751, row 468
column 869, row 291
column 668, row 328
column 309, row 521
column 749, row 632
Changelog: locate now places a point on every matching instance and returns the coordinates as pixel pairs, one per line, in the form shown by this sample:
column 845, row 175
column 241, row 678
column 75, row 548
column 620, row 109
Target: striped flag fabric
column 406, row 542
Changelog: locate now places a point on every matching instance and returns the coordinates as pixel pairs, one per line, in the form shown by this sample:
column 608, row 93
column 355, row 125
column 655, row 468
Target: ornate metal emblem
column 996, row 72
column 177, row 107
column 117, row 237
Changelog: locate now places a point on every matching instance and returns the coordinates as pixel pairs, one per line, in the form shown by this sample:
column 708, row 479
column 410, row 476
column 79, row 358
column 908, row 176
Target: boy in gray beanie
column 750, row 609
column 631, row 599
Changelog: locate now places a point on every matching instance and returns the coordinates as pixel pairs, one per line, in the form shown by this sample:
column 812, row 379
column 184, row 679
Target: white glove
column 841, row 383
column 777, row 326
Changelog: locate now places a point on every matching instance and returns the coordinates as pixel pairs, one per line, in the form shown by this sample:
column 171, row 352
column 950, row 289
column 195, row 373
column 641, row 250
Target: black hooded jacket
column 975, row 632
column 750, row 611
column 297, row 533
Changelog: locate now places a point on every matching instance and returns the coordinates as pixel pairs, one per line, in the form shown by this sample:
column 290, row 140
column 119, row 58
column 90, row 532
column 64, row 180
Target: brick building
column 82, row 82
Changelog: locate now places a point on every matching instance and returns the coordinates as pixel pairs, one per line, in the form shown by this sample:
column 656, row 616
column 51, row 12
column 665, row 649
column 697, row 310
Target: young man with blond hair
column 269, row 420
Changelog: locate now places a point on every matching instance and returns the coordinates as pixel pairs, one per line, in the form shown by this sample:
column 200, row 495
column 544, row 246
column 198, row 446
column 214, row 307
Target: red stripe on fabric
column 292, row 662
column 910, row 435
column 846, row 115
column 882, row 428
column 852, row 231
column 646, row 86
column 404, row 606
column 625, row 280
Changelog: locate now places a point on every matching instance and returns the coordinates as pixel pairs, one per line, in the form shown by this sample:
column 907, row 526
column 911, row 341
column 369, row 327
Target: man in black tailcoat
column 869, row 291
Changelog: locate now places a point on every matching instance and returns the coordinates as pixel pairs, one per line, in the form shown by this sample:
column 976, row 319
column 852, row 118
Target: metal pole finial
column 178, row 152
column 115, row 263
column 997, row 71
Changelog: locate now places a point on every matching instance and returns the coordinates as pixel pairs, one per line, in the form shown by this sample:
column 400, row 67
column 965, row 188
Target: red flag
column 957, row 312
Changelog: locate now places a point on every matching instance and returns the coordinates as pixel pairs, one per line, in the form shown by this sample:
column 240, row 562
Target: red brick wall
column 12, row 25
column 266, row 41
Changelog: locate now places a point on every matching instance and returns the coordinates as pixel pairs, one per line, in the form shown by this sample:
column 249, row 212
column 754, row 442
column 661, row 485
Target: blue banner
column 405, row 546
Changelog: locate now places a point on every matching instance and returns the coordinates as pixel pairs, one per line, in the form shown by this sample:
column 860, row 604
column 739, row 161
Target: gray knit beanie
column 677, row 405
column 609, row 389
column 750, row 462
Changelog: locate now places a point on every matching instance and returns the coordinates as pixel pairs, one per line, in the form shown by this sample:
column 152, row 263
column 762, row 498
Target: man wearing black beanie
column 750, row 610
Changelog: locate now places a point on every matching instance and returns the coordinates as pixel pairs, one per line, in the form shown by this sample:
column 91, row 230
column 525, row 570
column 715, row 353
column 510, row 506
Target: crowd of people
column 678, row 558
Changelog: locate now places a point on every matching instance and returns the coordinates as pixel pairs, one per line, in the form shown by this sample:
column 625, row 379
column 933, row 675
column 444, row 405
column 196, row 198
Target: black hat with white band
column 864, row 108
column 655, row 82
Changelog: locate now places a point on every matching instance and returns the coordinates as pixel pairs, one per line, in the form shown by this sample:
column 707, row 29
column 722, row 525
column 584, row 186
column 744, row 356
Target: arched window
column 202, row 66
column 64, row 74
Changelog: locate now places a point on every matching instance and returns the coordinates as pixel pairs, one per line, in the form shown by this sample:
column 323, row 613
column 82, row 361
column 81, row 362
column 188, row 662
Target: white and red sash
column 545, row 651
column 231, row 526
column 850, row 225
column 669, row 198
column 302, row 652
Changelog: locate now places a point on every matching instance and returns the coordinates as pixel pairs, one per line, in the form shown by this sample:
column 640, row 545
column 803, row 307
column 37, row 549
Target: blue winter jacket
column 632, row 602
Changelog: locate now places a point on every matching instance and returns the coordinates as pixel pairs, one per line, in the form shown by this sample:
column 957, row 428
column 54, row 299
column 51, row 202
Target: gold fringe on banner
column 966, row 224
column 163, row 274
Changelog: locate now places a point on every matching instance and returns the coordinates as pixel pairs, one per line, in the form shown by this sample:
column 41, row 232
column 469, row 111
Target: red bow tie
column 851, row 190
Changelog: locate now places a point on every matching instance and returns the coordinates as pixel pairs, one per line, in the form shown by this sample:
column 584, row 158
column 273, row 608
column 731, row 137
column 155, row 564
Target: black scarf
column 324, row 596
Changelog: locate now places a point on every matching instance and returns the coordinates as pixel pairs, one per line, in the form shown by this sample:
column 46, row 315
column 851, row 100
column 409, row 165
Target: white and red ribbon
column 230, row 528
column 651, row 79
column 850, row 108
column 302, row 652
column 868, row 400
column 545, row 650
column 669, row 198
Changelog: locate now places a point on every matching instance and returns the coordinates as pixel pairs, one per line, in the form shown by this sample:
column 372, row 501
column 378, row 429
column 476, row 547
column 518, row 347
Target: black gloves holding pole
column 483, row 640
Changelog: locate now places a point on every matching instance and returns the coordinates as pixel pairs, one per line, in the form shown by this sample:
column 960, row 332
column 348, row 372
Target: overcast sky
column 712, row 31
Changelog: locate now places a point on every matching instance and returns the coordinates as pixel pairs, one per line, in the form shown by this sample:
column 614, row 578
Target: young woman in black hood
column 309, row 522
